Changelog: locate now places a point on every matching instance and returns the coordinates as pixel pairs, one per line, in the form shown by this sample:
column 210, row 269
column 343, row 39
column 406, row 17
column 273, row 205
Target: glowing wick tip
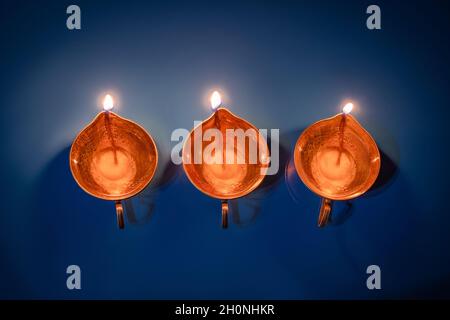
column 348, row 108
column 108, row 102
column 216, row 100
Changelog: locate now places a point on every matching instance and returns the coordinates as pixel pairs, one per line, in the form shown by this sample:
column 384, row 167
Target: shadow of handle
column 119, row 212
column 325, row 212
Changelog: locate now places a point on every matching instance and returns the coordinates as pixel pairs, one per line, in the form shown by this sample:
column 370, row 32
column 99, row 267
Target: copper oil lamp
column 337, row 159
column 113, row 158
column 231, row 170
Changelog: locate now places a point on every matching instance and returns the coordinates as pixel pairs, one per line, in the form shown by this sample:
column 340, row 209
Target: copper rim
column 186, row 166
column 127, row 194
column 374, row 166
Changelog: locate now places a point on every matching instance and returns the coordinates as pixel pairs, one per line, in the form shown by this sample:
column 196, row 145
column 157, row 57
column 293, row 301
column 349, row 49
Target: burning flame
column 216, row 100
column 108, row 102
column 348, row 108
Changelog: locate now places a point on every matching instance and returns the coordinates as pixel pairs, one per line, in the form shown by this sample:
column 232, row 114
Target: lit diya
column 113, row 158
column 225, row 156
column 337, row 159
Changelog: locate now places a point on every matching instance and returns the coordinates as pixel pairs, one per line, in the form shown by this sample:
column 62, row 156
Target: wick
column 217, row 124
column 110, row 136
column 341, row 138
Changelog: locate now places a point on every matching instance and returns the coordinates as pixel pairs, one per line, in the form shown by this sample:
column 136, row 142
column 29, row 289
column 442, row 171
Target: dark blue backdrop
column 282, row 64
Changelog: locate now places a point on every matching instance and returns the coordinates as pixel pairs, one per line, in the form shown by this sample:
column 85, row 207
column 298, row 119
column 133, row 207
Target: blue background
column 283, row 64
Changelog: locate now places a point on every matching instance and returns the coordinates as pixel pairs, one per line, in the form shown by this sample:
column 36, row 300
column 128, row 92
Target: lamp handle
column 325, row 212
column 224, row 214
column 119, row 212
